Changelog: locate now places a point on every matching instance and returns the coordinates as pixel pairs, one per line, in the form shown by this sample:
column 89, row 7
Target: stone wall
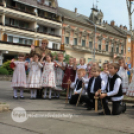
column 5, row 77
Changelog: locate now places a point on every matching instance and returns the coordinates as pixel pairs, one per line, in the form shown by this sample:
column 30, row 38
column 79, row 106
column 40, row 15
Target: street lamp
column 94, row 36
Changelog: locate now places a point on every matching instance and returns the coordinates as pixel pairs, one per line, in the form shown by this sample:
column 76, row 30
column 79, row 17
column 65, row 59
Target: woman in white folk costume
column 48, row 77
column 123, row 74
column 19, row 75
column 59, row 74
column 34, row 77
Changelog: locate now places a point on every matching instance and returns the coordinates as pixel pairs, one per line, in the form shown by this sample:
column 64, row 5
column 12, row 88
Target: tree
column 130, row 12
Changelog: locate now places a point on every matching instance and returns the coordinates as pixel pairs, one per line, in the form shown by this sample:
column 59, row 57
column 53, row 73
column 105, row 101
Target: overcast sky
column 113, row 9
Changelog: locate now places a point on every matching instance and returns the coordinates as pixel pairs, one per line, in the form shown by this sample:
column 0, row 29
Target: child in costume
column 19, row 75
column 34, row 77
column 69, row 75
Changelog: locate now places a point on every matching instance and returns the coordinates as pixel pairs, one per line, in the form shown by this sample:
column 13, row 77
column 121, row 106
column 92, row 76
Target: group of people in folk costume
column 85, row 79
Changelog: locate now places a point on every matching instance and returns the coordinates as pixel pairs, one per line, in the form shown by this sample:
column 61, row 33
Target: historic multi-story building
column 78, row 36
column 26, row 22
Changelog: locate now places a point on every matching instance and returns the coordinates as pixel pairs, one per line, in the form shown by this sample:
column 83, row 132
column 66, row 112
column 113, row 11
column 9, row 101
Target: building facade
column 26, row 22
column 78, row 36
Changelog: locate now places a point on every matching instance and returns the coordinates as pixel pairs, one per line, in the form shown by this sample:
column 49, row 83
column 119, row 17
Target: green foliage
column 3, row 71
column 6, row 66
column 66, row 56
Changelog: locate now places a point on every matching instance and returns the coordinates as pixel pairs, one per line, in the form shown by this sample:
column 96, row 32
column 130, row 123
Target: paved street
column 81, row 120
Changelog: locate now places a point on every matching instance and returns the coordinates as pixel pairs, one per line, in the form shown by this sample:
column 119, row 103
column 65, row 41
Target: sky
column 112, row 9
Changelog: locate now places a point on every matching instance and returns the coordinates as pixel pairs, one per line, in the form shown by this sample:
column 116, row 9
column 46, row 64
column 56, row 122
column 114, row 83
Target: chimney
column 112, row 23
column 121, row 26
column 125, row 28
column 106, row 23
column 75, row 10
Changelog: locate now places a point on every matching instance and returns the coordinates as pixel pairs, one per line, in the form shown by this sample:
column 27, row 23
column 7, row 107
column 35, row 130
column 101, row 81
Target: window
column 55, row 46
column 89, row 59
column 48, row 2
column 52, row 31
column 83, row 43
column 45, row 29
column 10, row 38
column 22, row 7
column 129, row 40
column 129, row 49
column 117, row 49
column 7, row 21
column 39, row 1
column 99, row 44
column 28, row 41
column 16, row 23
column 106, row 47
column 66, row 40
column 53, row 16
column 128, row 59
column 75, row 41
column 21, row 41
column 90, row 44
column 112, row 48
column 41, row 13
column 122, row 51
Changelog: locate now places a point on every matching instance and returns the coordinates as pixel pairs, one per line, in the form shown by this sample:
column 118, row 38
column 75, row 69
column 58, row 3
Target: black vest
column 97, row 84
column 111, row 82
column 78, row 84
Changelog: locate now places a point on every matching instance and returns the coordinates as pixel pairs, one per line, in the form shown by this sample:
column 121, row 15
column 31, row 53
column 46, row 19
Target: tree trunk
column 129, row 6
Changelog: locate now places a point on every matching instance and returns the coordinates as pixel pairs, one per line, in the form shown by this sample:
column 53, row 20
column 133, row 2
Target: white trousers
column 33, row 93
column 16, row 90
column 45, row 92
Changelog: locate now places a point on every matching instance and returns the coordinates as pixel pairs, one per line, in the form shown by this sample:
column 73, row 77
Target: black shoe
column 124, row 107
column 22, row 97
column 15, row 97
column 102, row 113
column 133, row 106
column 100, row 108
column 49, row 98
column 89, row 108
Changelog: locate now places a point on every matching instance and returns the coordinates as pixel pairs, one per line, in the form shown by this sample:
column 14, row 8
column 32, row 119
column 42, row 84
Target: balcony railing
column 42, row 16
column 49, row 34
column 22, row 28
column 18, row 9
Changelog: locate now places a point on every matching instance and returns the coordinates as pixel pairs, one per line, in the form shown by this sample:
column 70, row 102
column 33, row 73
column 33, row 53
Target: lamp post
column 94, row 37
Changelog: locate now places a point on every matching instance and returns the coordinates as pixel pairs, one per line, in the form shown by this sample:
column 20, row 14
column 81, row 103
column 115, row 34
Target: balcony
column 43, row 16
column 22, row 28
column 18, row 9
column 18, row 45
column 49, row 34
